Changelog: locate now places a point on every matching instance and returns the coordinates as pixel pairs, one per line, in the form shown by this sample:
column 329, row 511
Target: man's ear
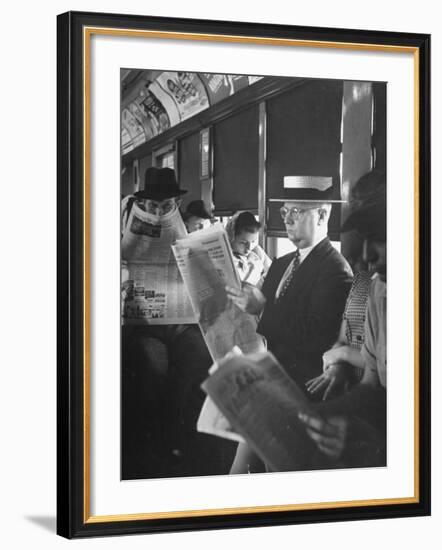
column 322, row 216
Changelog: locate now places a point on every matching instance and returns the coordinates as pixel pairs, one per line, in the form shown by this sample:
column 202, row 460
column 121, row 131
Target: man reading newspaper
column 164, row 355
column 303, row 296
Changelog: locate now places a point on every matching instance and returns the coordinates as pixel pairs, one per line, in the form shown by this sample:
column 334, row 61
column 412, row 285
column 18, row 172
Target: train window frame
column 75, row 516
column 168, row 151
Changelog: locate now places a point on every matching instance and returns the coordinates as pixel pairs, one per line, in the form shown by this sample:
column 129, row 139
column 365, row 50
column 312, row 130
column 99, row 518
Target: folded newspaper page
column 211, row 420
column 205, row 261
column 154, row 291
column 262, row 404
column 206, row 264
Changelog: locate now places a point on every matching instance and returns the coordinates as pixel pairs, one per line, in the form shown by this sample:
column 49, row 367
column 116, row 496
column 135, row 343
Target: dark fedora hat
column 197, row 208
column 368, row 203
column 159, row 184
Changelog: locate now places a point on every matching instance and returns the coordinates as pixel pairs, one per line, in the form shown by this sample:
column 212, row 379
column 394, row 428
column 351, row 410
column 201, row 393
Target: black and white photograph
column 253, row 250
column 214, row 194
column 230, row 197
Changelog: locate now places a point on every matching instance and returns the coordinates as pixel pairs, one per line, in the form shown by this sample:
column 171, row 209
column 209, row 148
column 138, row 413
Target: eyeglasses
column 294, row 212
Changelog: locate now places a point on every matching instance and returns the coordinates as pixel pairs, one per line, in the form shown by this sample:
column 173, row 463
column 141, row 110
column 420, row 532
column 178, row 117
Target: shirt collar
column 304, row 252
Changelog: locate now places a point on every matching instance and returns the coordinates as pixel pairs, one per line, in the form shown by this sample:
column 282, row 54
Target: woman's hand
column 335, row 355
column 332, row 382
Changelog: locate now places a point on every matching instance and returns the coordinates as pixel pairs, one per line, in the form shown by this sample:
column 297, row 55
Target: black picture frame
column 73, row 517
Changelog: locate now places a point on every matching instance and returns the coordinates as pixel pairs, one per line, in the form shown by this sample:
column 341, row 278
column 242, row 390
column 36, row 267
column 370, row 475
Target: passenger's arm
column 367, row 401
column 342, row 337
column 248, row 298
column 328, row 425
column 343, row 354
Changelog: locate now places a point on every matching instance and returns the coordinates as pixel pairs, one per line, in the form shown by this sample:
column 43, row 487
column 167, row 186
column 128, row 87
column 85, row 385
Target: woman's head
column 196, row 216
column 244, row 236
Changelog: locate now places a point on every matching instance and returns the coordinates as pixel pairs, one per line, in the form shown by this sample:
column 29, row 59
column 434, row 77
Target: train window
column 188, row 167
column 379, row 126
column 236, row 162
column 145, row 163
column 166, row 161
column 164, row 157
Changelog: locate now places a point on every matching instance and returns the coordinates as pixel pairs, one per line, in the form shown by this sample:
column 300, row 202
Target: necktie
column 295, row 264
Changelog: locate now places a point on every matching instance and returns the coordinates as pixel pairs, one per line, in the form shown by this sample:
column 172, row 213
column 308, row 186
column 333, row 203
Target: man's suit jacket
column 304, row 323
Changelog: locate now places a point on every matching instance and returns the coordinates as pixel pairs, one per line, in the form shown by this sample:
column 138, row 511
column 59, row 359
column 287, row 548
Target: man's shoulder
column 331, row 258
column 282, row 260
column 278, row 266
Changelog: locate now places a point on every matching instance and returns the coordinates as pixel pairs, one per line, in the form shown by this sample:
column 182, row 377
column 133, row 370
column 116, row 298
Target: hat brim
column 370, row 221
column 156, row 195
column 318, row 201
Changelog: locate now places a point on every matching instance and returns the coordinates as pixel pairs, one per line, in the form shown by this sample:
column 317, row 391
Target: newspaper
column 153, row 290
column 205, row 261
column 211, row 420
column 206, row 264
column 262, row 404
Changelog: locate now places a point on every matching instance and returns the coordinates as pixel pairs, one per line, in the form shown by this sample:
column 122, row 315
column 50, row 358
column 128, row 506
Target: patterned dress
column 355, row 313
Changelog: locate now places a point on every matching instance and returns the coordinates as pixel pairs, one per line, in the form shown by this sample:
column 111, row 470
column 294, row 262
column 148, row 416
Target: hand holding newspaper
column 262, row 404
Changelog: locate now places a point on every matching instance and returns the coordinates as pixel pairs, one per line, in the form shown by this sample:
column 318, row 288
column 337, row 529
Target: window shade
column 303, row 138
column 188, row 173
column 236, row 162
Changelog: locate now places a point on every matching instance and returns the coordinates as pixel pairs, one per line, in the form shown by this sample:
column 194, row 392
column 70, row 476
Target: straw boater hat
column 309, row 189
column 159, row 184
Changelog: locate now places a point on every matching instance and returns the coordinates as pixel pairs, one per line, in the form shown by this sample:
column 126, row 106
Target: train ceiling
column 154, row 101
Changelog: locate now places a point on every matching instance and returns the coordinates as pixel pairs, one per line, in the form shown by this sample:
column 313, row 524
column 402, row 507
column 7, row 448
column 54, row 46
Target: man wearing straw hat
column 303, row 296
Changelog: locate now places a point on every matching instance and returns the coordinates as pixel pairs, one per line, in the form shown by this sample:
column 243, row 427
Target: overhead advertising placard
column 156, row 112
column 134, row 128
column 218, row 86
column 186, row 90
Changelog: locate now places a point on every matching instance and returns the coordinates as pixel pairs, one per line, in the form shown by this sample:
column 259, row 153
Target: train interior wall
column 324, row 127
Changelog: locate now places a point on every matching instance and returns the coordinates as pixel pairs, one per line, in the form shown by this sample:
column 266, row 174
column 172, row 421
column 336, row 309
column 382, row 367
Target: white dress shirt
column 303, row 253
